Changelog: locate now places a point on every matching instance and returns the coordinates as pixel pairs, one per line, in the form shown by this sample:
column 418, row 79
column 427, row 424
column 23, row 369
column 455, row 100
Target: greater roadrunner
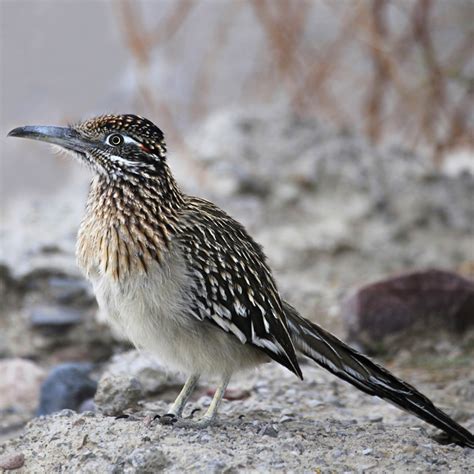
column 186, row 282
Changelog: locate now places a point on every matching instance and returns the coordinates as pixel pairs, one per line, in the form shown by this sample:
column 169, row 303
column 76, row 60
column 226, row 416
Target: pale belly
column 151, row 310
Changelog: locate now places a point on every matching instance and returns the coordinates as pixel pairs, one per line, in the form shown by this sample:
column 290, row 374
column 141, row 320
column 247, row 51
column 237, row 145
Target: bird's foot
column 170, row 419
column 199, row 424
column 167, row 419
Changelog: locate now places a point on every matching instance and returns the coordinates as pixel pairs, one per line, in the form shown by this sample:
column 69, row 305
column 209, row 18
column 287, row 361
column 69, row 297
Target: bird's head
column 115, row 146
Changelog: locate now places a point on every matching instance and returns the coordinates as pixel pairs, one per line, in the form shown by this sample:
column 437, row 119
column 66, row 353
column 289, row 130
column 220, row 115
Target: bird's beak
column 65, row 137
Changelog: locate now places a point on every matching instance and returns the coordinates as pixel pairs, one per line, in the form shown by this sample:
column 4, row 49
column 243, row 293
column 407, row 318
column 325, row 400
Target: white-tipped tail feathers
column 357, row 369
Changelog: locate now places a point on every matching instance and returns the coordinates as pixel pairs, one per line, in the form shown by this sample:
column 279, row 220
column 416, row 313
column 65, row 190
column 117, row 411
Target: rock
column 20, row 383
column 49, row 315
column 87, row 406
column 268, row 430
column 117, row 393
column 144, row 461
column 8, row 287
column 54, row 318
column 263, row 149
column 152, row 376
column 12, row 461
column 426, row 301
column 58, row 287
column 68, row 290
column 375, row 418
column 103, row 444
column 67, row 386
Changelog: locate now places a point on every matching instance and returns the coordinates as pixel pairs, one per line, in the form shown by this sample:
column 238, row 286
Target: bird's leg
column 211, row 413
column 176, row 409
column 183, row 397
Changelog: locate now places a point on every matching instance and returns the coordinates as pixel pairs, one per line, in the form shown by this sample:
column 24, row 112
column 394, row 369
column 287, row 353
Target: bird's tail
column 357, row 369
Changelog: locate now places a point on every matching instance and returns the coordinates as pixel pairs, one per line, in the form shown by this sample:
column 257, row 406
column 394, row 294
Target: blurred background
column 394, row 71
column 339, row 132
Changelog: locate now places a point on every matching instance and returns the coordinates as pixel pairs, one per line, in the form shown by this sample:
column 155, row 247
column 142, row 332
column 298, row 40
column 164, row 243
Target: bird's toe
column 168, row 419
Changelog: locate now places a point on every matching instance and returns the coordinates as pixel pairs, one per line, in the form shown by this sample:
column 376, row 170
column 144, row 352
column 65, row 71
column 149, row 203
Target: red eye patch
column 144, row 148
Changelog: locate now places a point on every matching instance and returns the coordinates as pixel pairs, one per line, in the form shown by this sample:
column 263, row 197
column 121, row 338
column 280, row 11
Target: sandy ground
column 319, row 425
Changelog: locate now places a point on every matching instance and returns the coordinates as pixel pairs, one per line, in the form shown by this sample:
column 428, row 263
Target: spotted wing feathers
column 233, row 287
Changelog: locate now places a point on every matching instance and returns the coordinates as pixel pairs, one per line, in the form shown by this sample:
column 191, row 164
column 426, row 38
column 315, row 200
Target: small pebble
column 10, row 462
column 269, row 430
column 337, row 453
column 204, row 401
column 149, row 459
column 375, row 418
column 314, row 403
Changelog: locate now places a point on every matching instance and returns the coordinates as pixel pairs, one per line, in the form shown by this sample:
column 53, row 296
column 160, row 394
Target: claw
column 122, row 416
column 199, row 424
column 168, row 419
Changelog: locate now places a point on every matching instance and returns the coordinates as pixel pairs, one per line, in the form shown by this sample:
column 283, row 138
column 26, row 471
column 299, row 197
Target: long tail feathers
column 357, row 369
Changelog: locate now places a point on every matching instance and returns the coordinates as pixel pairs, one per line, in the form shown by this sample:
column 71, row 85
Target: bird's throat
column 127, row 228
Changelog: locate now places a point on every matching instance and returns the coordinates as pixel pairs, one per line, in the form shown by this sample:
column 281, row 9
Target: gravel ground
column 332, row 214
column 318, row 425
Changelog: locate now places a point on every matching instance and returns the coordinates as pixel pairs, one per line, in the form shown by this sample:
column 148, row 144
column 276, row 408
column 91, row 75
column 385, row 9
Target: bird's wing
column 233, row 286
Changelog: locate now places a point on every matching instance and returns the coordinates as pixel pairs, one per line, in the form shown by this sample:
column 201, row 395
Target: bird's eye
column 115, row 139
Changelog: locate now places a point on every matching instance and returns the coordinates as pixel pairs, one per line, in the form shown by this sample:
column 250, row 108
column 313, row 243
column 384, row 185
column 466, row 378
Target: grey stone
column 143, row 367
column 116, row 393
column 269, row 430
column 57, row 318
column 66, row 386
column 144, row 461
column 68, row 290
column 87, row 406
column 375, row 418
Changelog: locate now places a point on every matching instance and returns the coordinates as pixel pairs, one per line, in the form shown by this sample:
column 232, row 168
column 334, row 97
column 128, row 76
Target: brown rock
column 20, row 383
column 13, row 461
column 429, row 301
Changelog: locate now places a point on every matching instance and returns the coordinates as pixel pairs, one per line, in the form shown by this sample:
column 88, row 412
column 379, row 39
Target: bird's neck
column 129, row 223
column 147, row 196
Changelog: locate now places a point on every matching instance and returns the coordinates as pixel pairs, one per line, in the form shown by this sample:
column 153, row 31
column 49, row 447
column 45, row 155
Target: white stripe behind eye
column 119, row 159
column 127, row 139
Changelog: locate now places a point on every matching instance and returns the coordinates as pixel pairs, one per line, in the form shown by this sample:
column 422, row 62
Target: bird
column 186, row 282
